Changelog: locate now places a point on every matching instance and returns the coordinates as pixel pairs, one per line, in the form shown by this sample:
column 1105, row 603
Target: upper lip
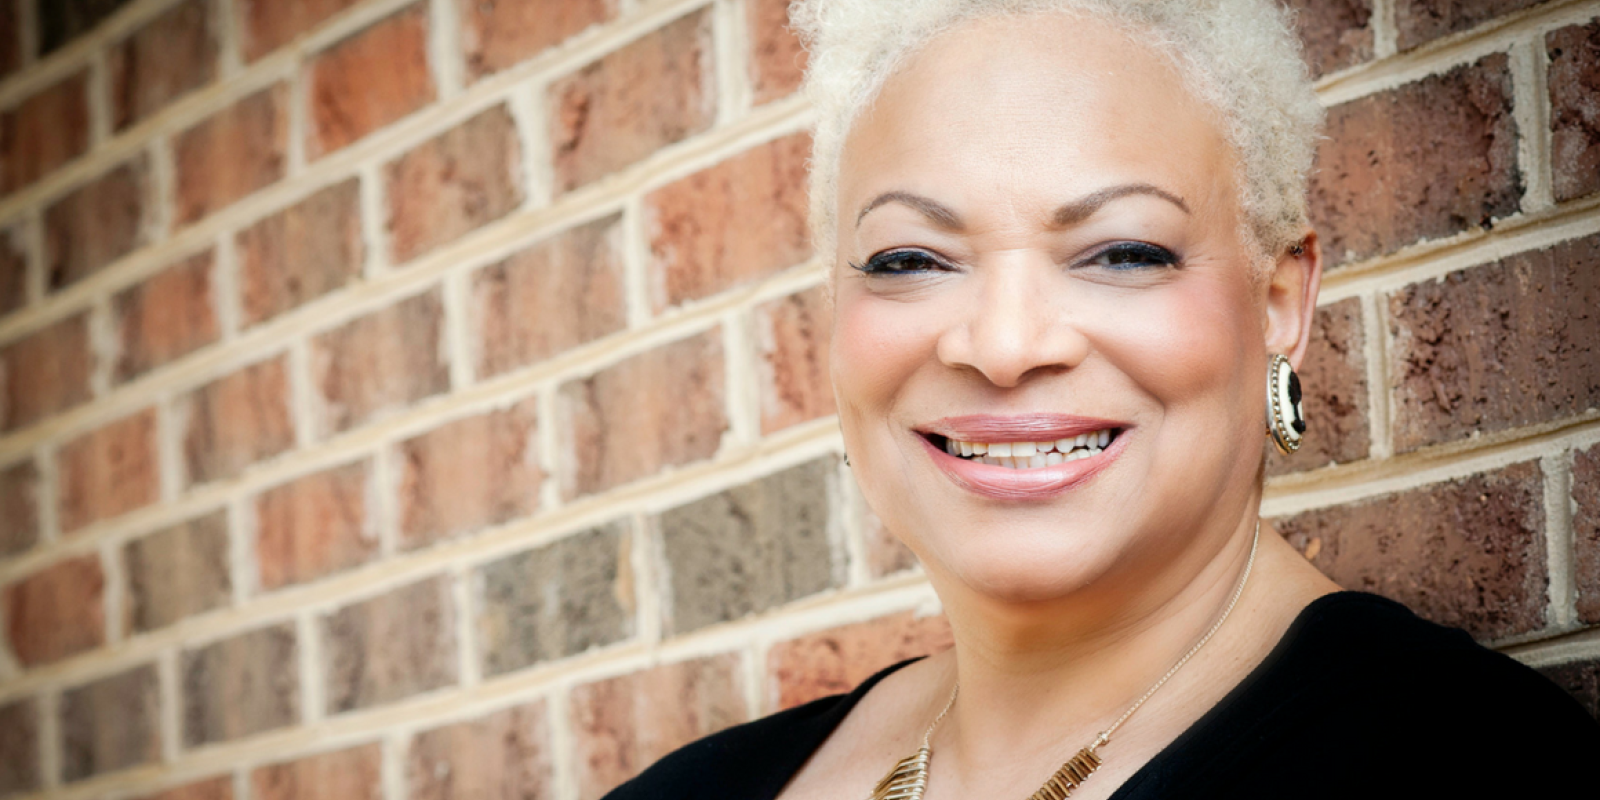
column 1016, row 427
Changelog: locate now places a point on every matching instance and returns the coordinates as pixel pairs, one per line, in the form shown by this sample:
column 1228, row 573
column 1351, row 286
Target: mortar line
column 296, row 158
column 114, row 592
column 157, row 221
column 1562, row 612
column 98, row 91
column 225, row 27
column 459, row 351
column 647, row 588
column 382, row 496
column 729, row 32
column 171, row 720
column 31, row 231
column 563, row 750
column 50, row 737
column 741, row 400
column 533, row 140
column 751, row 659
column 637, row 289
column 461, row 589
column 391, row 767
column 556, row 471
column 444, row 51
column 241, row 783
column 374, row 203
column 1529, row 110
column 240, row 520
column 104, row 349
column 1574, row 646
column 225, row 294
column 302, row 396
column 170, row 466
column 49, row 494
column 312, row 701
column 1375, row 330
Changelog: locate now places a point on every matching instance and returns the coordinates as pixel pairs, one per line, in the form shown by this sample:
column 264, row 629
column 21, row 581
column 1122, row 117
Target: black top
column 1359, row 699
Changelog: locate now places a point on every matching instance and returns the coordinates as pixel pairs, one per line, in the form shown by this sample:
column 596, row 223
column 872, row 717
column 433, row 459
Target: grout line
column 1563, row 594
column 382, row 496
column 374, row 201
column 311, row 688
column 49, row 493
column 33, row 249
column 171, row 721
column 50, row 737
column 647, row 587
column 163, row 191
column 444, row 48
column 729, row 34
column 103, row 346
column 241, row 784
column 99, row 97
column 1529, row 110
column 170, row 466
column 303, row 406
column 391, row 766
column 225, row 294
column 563, row 750
column 557, row 471
column 1575, row 646
column 299, row 125
column 1384, row 29
column 533, row 135
column 225, row 27
column 636, row 273
column 741, row 399
column 462, row 589
column 751, row 657
column 241, row 565
column 458, row 347
column 114, row 592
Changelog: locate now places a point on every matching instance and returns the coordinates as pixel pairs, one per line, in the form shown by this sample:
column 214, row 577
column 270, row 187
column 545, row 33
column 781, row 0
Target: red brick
column 777, row 59
column 625, row 724
column 111, row 724
column 172, row 55
column 235, row 421
column 233, row 153
column 731, row 224
column 1334, row 376
column 178, row 572
column 1426, row 160
column 390, row 647
column 315, row 526
column 1334, row 34
column 506, row 754
column 96, row 224
column 266, row 25
column 471, row 473
column 654, row 92
column 551, row 297
column 109, row 471
column 57, row 612
column 301, row 253
column 1586, row 531
column 351, row 774
column 496, row 34
column 61, row 21
column 656, row 410
column 1574, row 79
column 19, row 508
column 168, row 316
column 1468, row 553
column 1495, row 347
column 241, row 686
column 10, row 61
column 19, row 740
column 795, row 382
column 13, row 269
column 1419, row 21
column 369, row 80
column 836, row 660
column 380, row 363
column 1581, row 679
column 455, row 183
column 218, row 788
column 47, row 372
column 43, row 132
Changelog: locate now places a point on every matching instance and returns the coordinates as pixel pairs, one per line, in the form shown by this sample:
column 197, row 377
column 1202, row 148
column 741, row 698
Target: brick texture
column 57, row 612
column 218, row 788
column 168, row 316
column 558, row 294
column 1586, row 532
column 1497, row 346
column 1468, row 553
column 473, row 472
column 46, row 372
column 111, row 724
column 95, row 224
column 556, row 600
column 10, row 61
column 13, row 268
column 777, row 60
column 235, row 421
column 751, row 548
column 266, row 25
column 1420, row 21
column 1426, row 160
column 61, row 21
column 496, row 34
column 660, row 409
column 178, row 572
column 379, row 363
column 19, row 740
column 369, row 80
column 241, row 686
column 19, row 507
column 834, row 661
column 169, row 57
column 1574, row 79
column 354, row 773
column 656, row 91
column 1581, row 679
column 1334, row 33
column 390, row 647
column 108, row 471
column 237, row 151
column 506, row 754
column 314, row 526
column 792, row 334
column 455, row 183
column 43, row 132
column 1334, row 377
column 301, row 253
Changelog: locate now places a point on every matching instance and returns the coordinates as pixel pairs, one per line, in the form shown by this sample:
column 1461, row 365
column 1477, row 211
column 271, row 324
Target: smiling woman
column 1072, row 273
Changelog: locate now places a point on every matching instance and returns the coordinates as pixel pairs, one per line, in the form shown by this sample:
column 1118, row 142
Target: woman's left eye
column 1133, row 255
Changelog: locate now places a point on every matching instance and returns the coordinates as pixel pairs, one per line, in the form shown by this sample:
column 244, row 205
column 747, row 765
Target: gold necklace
column 909, row 777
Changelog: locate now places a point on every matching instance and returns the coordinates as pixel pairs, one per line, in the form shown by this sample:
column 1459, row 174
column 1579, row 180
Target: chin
column 1028, row 566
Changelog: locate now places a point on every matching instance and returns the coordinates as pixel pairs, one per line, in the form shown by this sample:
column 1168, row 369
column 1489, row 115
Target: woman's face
column 1040, row 246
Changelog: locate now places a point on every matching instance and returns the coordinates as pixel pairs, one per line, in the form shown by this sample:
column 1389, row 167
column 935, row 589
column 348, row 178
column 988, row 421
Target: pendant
column 1074, row 772
column 907, row 780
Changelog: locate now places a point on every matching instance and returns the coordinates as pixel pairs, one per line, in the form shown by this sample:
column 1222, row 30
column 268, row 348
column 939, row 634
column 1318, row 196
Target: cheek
column 876, row 345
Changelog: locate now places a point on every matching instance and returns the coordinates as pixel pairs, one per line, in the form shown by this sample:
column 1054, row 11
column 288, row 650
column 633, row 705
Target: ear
column 1292, row 298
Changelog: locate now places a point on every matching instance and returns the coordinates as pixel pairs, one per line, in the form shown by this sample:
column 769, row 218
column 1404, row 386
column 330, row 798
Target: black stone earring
column 1286, row 421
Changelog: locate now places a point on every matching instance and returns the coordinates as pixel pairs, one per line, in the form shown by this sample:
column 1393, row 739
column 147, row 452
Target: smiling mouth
column 1028, row 455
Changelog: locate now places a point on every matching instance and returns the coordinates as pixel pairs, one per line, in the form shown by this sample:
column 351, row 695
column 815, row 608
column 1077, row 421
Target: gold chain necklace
column 909, row 777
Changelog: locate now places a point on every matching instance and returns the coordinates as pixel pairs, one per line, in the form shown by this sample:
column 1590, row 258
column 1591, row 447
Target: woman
column 1070, row 245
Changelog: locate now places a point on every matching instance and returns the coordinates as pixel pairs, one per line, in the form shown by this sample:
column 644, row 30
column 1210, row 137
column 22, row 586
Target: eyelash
column 885, row 263
column 1119, row 257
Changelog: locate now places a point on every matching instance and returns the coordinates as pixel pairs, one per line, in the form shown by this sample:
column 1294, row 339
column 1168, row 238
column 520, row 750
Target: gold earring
column 1286, row 421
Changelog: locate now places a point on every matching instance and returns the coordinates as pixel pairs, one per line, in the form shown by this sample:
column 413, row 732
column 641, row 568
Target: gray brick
column 178, row 572
column 241, row 686
column 110, row 724
column 19, row 742
column 390, row 647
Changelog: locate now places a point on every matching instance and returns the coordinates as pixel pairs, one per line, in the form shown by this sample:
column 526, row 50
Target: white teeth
column 1105, row 438
column 1036, row 461
column 980, row 449
column 1081, row 441
column 1065, row 445
column 1032, row 455
column 1024, row 449
column 1000, row 449
column 966, row 448
column 1053, row 458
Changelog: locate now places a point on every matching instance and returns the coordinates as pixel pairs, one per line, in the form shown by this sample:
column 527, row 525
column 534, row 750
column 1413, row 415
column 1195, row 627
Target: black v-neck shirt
column 1360, row 698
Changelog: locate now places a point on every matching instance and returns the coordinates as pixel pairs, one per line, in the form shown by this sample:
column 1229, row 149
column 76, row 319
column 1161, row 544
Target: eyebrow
column 1068, row 214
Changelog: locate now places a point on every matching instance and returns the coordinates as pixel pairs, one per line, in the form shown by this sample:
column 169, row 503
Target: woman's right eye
column 902, row 262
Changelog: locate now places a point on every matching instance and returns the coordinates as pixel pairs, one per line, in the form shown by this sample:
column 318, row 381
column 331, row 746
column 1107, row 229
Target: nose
column 1016, row 325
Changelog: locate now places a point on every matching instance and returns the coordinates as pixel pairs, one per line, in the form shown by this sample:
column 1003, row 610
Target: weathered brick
column 354, row 773
column 1334, row 34
column 369, row 80
column 1497, row 346
column 13, row 268
column 235, row 421
column 315, row 526
column 178, row 572
column 61, row 21
column 777, row 59
column 624, row 724
column 886, row 555
column 1586, row 531
column 1334, row 377
column 19, row 740
column 218, row 788
column 108, row 471
column 654, row 92
column 95, row 224
column 379, row 363
column 1468, row 553
column 266, row 25
column 44, row 131
column 233, row 153
column 56, row 612
column 551, row 297
column 1581, row 679
column 752, row 547
column 471, row 473
column 390, row 647
column 836, row 660
column 496, row 34
column 1419, row 21
column 656, row 410
column 301, row 253
column 19, row 507
column 556, row 600
column 10, row 61
column 736, row 222
column 506, row 754
column 164, row 318
column 1426, row 160
column 169, row 57
column 111, row 724
column 46, row 372
column 1574, row 80
column 454, row 183
column 793, row 335
column 241, row 686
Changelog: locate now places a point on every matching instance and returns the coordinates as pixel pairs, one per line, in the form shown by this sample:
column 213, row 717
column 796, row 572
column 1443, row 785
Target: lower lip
column 1038, row 483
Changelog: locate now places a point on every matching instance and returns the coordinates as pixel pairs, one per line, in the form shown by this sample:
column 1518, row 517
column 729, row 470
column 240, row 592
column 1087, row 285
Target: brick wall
column 427, row 398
